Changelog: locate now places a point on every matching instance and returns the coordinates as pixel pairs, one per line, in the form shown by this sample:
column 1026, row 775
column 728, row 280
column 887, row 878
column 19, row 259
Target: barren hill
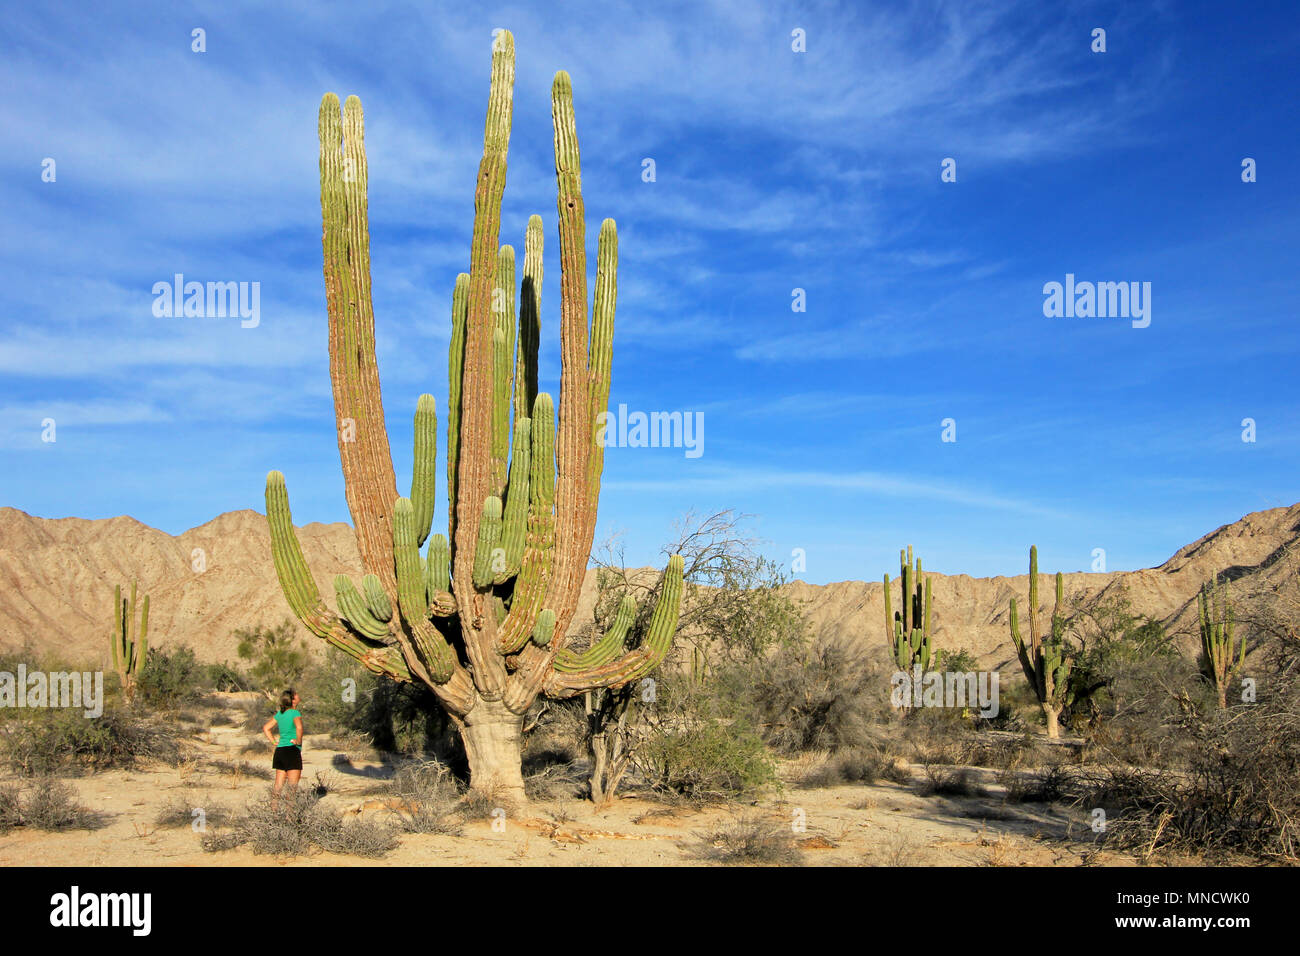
column 57, row 578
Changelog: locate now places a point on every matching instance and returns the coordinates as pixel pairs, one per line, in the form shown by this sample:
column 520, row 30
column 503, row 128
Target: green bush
column 226, row 677
column 170, row 677
column 708, row 760
column 278, row 656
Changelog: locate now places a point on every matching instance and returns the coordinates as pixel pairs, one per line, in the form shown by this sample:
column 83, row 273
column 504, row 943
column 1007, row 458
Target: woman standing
column 287, row 761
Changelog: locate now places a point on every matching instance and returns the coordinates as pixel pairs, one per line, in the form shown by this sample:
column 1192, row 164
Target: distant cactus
column 129, row 642
column 1221, row 656
column 482, row 618
column 908, row 630
column 1046, row 663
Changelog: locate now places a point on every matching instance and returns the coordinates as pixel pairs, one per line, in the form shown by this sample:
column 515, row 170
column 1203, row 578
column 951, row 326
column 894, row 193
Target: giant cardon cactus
column 481, row 617
column 1046, row 662
column 1221, row 656
column 129, row 641
column 908, row 629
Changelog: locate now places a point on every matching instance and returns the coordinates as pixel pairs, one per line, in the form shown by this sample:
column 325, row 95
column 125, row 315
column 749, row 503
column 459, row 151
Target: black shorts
column 287, row 758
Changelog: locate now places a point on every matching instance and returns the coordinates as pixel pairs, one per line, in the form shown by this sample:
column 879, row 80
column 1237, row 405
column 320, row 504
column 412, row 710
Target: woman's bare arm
column 297, row 726
column 267, row 728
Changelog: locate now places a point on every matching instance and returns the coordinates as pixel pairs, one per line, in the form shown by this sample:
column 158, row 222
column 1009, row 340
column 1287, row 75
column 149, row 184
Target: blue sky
column 775, row 170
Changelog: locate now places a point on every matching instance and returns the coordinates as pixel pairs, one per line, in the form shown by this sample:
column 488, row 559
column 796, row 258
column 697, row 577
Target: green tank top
column 287, row 732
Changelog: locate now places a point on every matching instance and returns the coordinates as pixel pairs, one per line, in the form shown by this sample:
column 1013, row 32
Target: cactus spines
column 129, row 641
column 482, row 618
column 908, row 629
column 1047, row 664
column 1221, row 656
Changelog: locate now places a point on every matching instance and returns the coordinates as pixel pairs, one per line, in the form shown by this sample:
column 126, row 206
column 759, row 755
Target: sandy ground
column 882, row 824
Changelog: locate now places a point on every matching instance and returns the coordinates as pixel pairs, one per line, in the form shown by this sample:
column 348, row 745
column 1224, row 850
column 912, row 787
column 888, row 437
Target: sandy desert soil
column 883, row 824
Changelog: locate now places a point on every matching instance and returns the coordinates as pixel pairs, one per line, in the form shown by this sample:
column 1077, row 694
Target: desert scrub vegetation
column 60, row 740
column 749, row 840
column 46, row 804
column 298, row 825
column 1239, row 794
column 424, row 798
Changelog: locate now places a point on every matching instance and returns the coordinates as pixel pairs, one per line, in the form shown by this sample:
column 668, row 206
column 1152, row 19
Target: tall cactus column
column 129, row 642
column 1221, row 657
column 908, row 629
column 482, row 616
column 1046, row 663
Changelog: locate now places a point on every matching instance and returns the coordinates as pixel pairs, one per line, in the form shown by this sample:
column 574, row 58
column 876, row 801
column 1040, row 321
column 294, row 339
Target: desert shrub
column 10, row 808
column 179, row 812
column 170, row 677
column 51, row 805
column 425, row 795
column 819, row 696
column 225, row 677
column 949, row 782
column 708, row 760
column 296, row 825
column 47, row 740
column 1240, row 792
column 959, row 661
column 278, row 658
column 749, row 840
column 1045, row 785
column 844, row 767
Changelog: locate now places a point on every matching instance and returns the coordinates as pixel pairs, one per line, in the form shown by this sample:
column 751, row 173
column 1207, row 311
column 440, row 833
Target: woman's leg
column 293, row 776
column 279, row 785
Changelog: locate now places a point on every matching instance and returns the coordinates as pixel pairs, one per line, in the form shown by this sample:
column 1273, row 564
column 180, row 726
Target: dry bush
column 47, row 740
column 296, row 824
column 425, row 795
column 749, row 840
column 1239, row 795
column 1046, row 785
column 10, row 807
column 856, row 766
column 949, row 782
column 822, row 696
column 49, row 805
column 179, row 812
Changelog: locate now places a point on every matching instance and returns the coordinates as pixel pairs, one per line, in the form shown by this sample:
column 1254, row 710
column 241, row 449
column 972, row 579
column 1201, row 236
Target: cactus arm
column 455, row 389
column 637, row 663
column 478, row 618
column 473, row 472
column 488, row 552
column 503, row 357
column 535, row 567
column 377, row 602
column 575, row 507
column 604, row 650
column 530, row 325
column 353, row 609
column 117, row 638
column 300, row 592
column 142, row 650
column 514, row 520
column 424, row 471
column 369, row 481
